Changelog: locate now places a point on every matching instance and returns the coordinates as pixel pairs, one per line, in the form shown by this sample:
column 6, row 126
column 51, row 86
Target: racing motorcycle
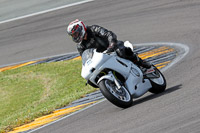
column 120, row 80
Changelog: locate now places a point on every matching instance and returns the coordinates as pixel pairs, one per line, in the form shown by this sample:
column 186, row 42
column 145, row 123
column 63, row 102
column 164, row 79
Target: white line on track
column 39, row 13
column 184, row 50
column 45, row 11
column 67, row 116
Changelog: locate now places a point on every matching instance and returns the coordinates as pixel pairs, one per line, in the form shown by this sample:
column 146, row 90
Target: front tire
column 120, row 98
column 93, row 85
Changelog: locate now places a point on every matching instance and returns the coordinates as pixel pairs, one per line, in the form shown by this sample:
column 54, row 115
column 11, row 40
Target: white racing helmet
column 76, row 29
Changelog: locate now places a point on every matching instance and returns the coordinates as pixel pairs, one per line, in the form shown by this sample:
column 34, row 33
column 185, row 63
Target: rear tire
column 159, row 84
column 121, row 99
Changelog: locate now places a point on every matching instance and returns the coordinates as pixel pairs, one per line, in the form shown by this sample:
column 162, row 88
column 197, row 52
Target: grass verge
column 33, row 91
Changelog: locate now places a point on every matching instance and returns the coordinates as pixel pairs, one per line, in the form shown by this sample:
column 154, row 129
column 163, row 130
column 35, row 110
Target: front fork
column 111, row 77
column 116, row 81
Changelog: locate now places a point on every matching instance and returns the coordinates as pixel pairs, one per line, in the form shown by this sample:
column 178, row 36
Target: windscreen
column 87, row 54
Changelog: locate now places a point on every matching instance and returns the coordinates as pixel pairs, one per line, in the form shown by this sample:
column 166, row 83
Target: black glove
column 111, row 48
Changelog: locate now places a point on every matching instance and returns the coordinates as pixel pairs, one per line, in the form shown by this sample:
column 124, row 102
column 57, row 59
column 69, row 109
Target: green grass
column 32, row 91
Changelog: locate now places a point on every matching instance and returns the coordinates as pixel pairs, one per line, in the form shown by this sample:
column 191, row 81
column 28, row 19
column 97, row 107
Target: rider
column 100, row 38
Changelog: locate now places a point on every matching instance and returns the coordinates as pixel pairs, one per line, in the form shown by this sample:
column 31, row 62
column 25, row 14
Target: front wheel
column 119, row 97
column 158, row 82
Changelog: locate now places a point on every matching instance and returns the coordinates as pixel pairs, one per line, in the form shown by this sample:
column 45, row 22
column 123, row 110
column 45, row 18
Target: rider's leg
column 137, row 60
column 127, row 53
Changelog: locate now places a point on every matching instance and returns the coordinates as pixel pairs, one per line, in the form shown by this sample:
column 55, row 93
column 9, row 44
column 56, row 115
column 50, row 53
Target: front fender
column 109, row 76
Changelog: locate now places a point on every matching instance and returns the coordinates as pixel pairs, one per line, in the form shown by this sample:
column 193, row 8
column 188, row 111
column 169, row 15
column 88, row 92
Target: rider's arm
column 105, row 34
column 80, row 49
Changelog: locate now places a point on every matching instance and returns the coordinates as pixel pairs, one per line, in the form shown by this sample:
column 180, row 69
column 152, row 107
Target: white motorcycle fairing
column 94, row 63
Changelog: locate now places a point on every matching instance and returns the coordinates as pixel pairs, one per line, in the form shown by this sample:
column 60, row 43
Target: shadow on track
column 152, row 96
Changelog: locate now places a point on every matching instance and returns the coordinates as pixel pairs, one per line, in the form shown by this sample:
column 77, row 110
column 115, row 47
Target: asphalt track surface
column 175, row 111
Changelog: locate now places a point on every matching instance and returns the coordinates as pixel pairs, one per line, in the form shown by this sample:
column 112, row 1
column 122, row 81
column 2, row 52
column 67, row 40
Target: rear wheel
column 119, row 97
column 158, row 82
